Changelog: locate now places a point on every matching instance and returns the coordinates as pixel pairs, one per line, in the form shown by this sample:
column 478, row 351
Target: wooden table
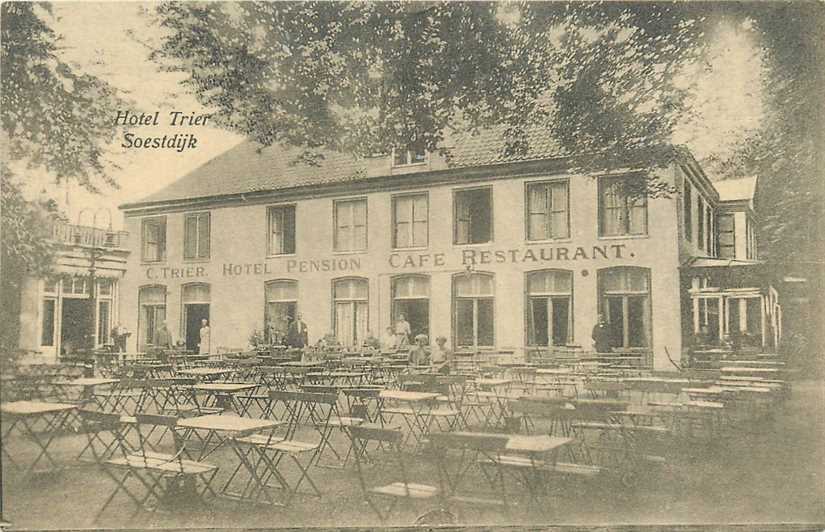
column 206, row 373
column 416, row 414
column 23, row 415
column 88, row 384
column 226, row 429
column 224, row 393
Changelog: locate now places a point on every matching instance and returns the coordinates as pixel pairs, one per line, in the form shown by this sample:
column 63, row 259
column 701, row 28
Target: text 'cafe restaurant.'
column 493, row 253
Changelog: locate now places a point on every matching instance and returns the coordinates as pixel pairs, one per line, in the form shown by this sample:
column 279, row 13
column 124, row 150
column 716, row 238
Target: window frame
column 270, row 209
column 732, row 232
column 268, row 301
column 162, row 234
column 549, row 214
column 528, row 296
column 456, row 192
column 335, row 239
column 352, row 301
column 144, row 342
column 393, row 216
column 428, row 298
column 474, row 298
column 197, row 215
column 408, row 158
column 626, row 207
column 602, row 298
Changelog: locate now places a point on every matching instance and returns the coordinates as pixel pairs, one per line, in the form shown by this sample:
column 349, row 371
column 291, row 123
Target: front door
column 193, row 314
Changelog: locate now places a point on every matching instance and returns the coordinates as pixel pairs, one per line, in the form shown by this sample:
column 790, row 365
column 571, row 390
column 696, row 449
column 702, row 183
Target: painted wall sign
column 399, row 261
column 165, row 272
column 544, row 254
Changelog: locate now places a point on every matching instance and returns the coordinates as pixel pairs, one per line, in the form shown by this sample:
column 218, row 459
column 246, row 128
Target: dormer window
column 415, row 154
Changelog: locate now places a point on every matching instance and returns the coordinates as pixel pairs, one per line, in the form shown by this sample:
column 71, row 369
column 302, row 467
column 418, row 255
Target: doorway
column 193, row 314
column 75, row 332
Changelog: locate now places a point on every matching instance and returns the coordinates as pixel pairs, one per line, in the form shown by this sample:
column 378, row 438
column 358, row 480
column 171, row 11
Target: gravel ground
column 773, row 474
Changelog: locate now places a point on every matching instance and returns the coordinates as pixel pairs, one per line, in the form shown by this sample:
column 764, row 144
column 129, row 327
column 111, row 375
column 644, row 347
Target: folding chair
column 177, row 469
column 453, row 388
column 402, row 490
column 271, row 450
column 461, row 455
column 124, row 397
column 117, row 469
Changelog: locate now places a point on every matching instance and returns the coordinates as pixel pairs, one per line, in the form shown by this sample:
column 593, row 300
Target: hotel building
column 494, row 253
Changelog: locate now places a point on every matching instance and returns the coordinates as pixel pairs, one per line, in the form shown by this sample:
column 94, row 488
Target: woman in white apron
column 204, row 346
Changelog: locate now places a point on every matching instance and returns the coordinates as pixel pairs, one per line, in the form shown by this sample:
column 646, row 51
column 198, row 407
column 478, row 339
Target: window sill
column 153, row 263
column 475, row 245
column 194, row 261
column 353, row 252
column 624, row 237
column 565, row 240
column 419, row 248
column 282, row 256
column 409, row 165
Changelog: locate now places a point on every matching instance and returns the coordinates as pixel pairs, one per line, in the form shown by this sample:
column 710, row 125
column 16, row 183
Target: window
column 473, row 212
column 709, row 236
column 547, row 210
column 687, row 203
column 411, row 298
column 410, row 221
column 152, row 313
column 474, row 308
column 281, row 230
column 196, row 235
column 625, row 303
column 281, row 308
column 154, row 239
column 700, row 220
column 549, row 312
column 351, row 316
column 416, row 154
column 727, row 236
column 104, row 287
column 623, row 207
column 104, row 317
column 49, row 313
column 351, row 225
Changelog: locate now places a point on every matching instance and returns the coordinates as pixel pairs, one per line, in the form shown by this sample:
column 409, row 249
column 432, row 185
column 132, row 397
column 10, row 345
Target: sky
column 108, row 39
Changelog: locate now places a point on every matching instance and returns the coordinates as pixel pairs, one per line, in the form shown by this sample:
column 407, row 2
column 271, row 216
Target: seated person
column 419, row 355
column 441, row 357
column 371, row 342
column 389, row 342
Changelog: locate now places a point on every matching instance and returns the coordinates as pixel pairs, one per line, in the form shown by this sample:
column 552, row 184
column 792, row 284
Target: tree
column 359, row 77
column 53, row 117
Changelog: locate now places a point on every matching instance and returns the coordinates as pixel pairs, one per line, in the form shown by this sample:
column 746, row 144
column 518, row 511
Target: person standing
column 119, row 336
column 163, row 339
column 298, row 334
column 601, row 336
column 205, row 345
column 402, row 330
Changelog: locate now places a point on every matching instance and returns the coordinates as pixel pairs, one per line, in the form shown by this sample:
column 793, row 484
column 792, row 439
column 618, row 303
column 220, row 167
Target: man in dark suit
column 297, row 335
column 602, row 336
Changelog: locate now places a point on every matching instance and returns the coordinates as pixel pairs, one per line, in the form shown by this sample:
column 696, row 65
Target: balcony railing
column 82, row 235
